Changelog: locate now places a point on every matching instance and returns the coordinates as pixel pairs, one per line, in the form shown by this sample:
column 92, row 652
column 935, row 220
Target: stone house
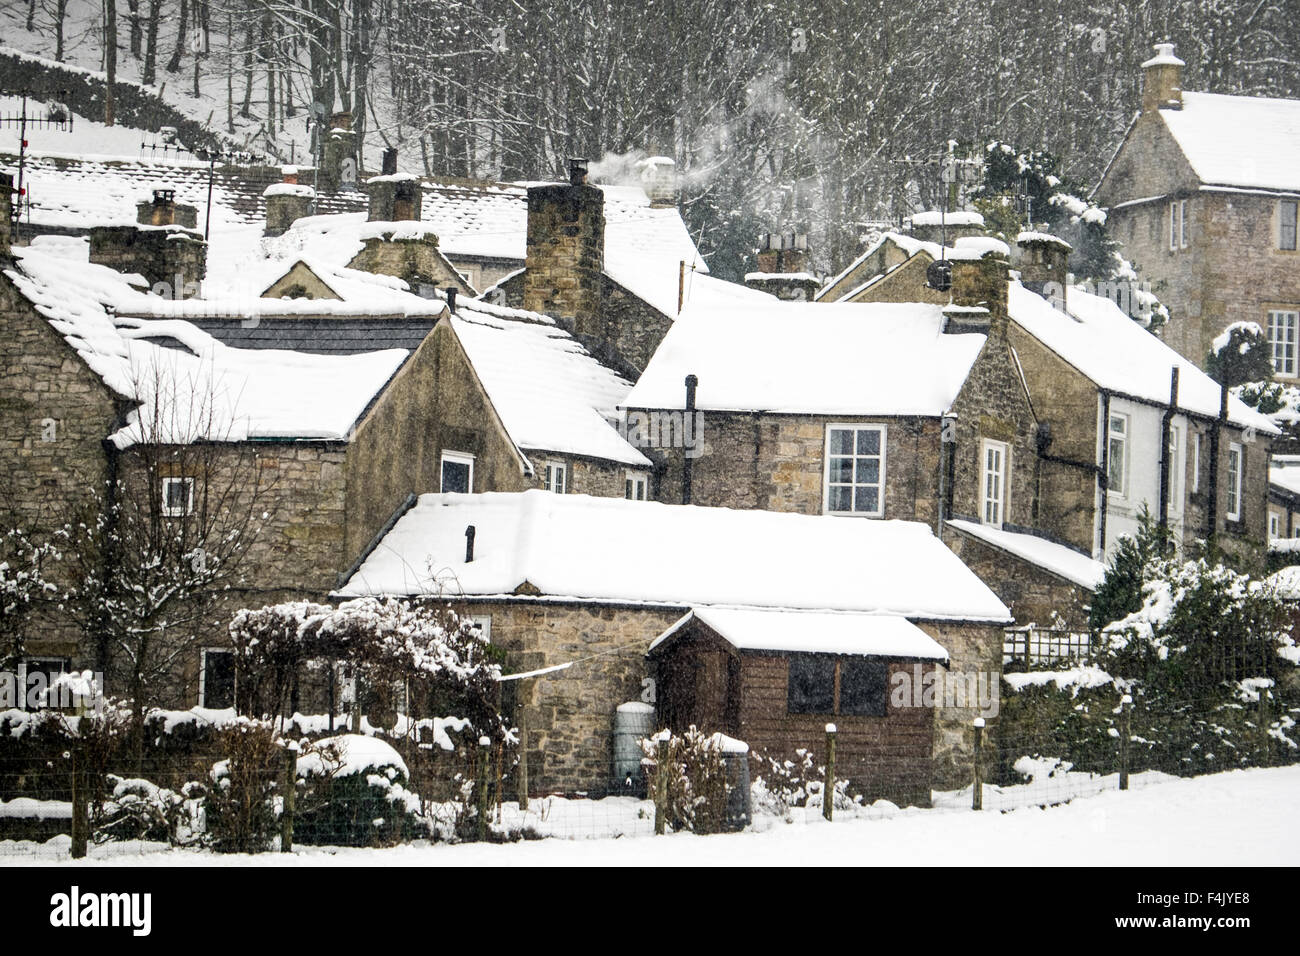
column 1283, row 498
column 1203, row 192
column 338, row 410
column 577, row 589
column 1113, row 436
column 907, row 409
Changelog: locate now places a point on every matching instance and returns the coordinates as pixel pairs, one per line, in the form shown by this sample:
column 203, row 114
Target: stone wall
column 168, row 256
column 434, row 404
column 974, row 651
column 585, row 476
column 570, row 713
column 417, row 262
column 1033, row 594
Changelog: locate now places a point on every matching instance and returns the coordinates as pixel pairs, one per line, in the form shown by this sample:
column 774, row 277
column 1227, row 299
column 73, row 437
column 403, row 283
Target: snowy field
column 1223, row 819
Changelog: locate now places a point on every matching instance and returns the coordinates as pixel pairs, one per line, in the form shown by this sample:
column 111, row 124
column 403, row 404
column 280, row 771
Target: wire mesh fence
column 261, row 792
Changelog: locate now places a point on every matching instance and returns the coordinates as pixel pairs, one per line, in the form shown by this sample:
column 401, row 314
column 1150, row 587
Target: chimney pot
column 390, row 161
column 577, row 171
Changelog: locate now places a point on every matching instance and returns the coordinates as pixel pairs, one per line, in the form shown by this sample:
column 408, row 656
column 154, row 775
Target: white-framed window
column 1274, row 525
column 557, row 477
column 993, row 482
column 177, row 497
column 637, row 486
column 855, row 470
column 484, row 623
column 35, row 676
column 1233, row 512
column 1117, row 456
column 1196, row 462
column 1295, row 531
column 217, row 678
column 1286, row 224
column 1177, row 224
column 1282, row 327
column 457, row 472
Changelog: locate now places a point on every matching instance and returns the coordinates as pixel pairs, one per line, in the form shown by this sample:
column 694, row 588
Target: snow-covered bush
column 243, row 794
column 354, row 792
column 697, row 778
column 1240, row 354
column 783, row 785
column 137, row 809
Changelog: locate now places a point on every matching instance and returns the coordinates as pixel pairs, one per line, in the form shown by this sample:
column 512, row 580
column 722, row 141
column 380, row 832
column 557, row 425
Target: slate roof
column 326, row 336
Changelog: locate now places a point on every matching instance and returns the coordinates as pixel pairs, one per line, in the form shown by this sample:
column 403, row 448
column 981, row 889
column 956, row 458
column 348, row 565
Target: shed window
column 861, row 684
column 177, row 497
column 812, row 684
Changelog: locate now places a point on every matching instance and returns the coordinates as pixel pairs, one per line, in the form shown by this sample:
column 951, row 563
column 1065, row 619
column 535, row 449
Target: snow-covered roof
column 817, row 632
column 1239, row 141
column 956, row 217
column 1060, row 560
column 1284, row 473
column 1286, row 581
column 550, row 393
column 835, row 358
column 1120, row 356
column 208, row 391
column 574, row 547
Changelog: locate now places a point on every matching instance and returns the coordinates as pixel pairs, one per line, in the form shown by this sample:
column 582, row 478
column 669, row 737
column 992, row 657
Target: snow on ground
column 1221, row 819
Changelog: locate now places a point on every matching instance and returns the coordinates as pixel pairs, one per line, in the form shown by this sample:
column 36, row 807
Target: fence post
column 290, row 797
column 1263, row 725
column 828, row 786
column 484, row 758
column 523, row 756
column 661, row 786
column 977, row 788
column 80, row 805
column 1125, row 732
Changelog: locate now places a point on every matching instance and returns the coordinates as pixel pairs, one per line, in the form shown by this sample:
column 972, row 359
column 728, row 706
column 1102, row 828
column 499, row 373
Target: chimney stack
column 396, row 197
column 1043, row 263
column 1162, row 80
column 783, row 267
column 164, row 247
column 287, row 202
column 936, row 227
column 659, row 180
column 565, row 256
column 979, row 287
column 339, row 170
column 6, row 215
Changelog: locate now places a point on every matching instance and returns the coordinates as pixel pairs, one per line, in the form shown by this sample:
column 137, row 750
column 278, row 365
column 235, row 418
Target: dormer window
column 1286, row 224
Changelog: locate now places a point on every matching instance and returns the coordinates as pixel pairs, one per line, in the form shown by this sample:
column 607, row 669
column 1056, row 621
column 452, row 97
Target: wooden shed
column 776, row 678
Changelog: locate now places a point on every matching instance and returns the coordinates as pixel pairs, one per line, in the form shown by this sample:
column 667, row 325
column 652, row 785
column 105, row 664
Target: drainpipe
column 1103, row 474
column 1212, row 511
column 947, row 426
column 1166, row 465
column 687, row 461
column 450, row 293
column 108, row 562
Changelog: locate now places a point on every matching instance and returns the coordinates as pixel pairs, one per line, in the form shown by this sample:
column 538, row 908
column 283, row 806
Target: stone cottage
column 1203, row 192
column 577, row 589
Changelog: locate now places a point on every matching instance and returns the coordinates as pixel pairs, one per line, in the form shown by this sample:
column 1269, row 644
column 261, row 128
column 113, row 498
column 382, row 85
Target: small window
column 1182, row 224
column 1235, row 472
column 36, row 675
column 177, row 497
column 457, row 472
column 217, row 679
column 1286, row 224
column 1173, row 226
column 1295, row 531
column 811, row 688
column 1274, row 525
column 845, row 686
column 863, row 686
column 1282, row 325
column 1117, row 454
column 556, row 477
column 637, row 486
column 855, row 470
column 993, row 472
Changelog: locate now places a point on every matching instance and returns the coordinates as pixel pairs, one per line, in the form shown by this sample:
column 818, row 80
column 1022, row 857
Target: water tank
column 632, row 722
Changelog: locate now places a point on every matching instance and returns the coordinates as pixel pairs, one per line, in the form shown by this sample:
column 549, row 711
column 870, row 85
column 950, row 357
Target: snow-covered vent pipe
column 688, row 461
column 450, row 293
column 577, row 171
column 469, row 544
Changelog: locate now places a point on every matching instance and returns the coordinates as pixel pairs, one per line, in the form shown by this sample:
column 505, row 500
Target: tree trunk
column 133, row 15
column 182, row 35
column 149, row 74
column 110, row 60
